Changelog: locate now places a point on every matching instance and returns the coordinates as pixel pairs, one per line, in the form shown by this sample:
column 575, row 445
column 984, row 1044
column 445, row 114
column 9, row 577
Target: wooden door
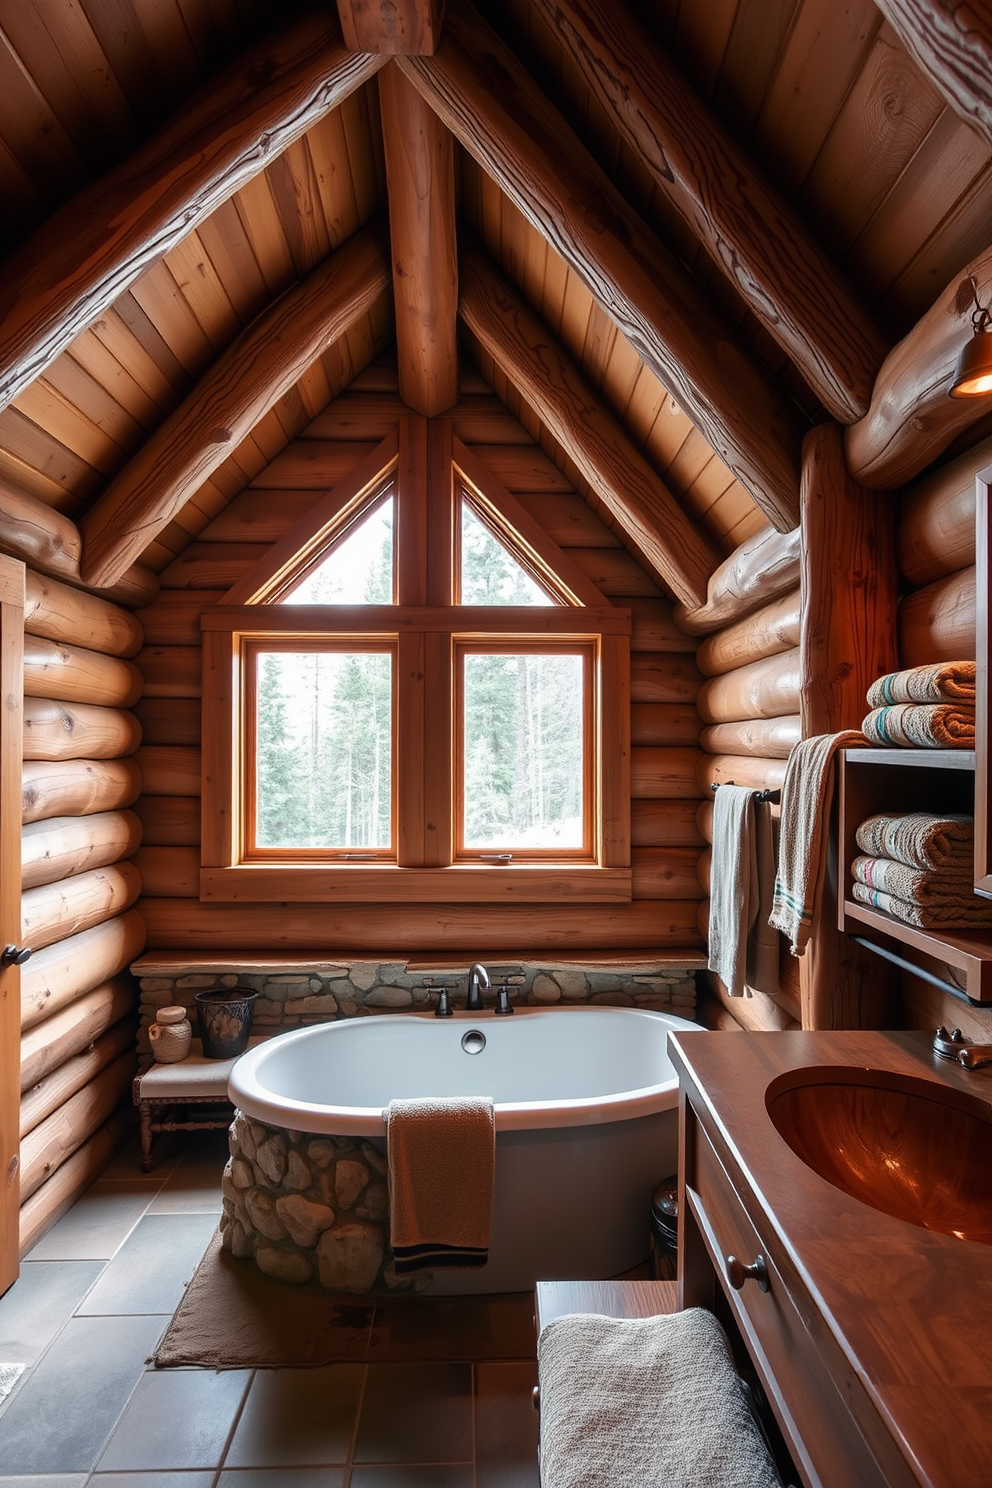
column 11, row 726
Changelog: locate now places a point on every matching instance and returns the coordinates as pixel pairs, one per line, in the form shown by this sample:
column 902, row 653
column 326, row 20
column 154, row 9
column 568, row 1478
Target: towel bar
column 926, row 976
column 773, row 797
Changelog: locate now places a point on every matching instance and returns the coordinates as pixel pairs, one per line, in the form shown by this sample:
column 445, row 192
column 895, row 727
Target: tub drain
column 473, row 1042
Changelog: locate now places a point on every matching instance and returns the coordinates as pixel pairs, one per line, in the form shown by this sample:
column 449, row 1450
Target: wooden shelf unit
column 876, row 780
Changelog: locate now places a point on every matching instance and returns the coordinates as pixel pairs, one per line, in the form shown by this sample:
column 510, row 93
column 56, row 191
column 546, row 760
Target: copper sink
column 911, row 1148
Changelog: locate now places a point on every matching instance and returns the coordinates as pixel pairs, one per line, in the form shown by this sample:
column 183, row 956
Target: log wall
column 80, row 781
column 749, row 710
column 665, row 682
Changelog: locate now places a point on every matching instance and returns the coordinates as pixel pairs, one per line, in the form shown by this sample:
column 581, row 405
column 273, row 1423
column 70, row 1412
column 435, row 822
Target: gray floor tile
column 97, row 1224
column 506, row 1426
column 282, row 1477
column 153, row 1265
column 50, row 1480
column 59, row 1418
column 151, row 1480
column 435, row 1475
column 41, row 1301
column 295, row 1417
column 176, row 1418
column 169, row 1148
column 416, row 1413
column 195, row 1191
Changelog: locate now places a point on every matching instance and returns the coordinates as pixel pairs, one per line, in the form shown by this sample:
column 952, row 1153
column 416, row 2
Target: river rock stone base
column 293, row 999
column 309, row 1209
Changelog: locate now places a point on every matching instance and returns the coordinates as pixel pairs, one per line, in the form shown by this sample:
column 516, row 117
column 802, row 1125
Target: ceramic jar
column 170, row 1035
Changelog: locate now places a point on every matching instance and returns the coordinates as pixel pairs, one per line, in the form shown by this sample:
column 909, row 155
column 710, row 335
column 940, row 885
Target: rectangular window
column 525, row 744
column 319, row 778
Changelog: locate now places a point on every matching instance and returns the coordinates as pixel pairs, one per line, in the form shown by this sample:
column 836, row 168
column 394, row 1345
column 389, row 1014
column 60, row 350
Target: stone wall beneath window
column 291, row 997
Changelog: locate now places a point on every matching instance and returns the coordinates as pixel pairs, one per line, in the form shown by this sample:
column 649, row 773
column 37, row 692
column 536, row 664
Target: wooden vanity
column 873, row 1339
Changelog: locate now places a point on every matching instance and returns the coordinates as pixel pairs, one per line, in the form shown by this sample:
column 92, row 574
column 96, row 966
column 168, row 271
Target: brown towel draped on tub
column 441, row 1153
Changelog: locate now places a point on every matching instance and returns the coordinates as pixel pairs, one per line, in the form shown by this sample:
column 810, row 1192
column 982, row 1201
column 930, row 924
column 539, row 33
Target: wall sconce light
column 973, row 376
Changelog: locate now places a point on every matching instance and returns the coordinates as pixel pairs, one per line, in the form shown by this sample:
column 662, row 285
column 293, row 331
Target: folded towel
column 806, row 797
column 646, row 1403
column 441, row 1157
column 922, row 726
column 965, row 913
column 918, row 885
column 942, row 682
column 918, row 839
column 733, row 885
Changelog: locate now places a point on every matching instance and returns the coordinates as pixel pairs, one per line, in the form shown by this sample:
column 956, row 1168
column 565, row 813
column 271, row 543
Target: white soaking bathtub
column 586, row 1119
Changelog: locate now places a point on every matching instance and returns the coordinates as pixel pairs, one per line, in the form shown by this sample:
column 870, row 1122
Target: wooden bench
column 617, row 1411
column 190, row 1095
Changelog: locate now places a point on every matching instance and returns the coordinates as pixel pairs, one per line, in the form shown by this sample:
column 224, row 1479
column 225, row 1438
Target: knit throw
column 965, row 913
column 806, row 797
column 919, row 840
column 646, row 1403
column 942, row 682
column 922, row 726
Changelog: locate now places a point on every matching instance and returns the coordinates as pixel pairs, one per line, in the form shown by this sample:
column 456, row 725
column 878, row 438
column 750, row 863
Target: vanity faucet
column 953, row 1045
column 478, row 982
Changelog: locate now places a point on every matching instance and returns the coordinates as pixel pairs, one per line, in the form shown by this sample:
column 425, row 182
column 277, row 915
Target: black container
column 664, row 1254
column 225, row 1015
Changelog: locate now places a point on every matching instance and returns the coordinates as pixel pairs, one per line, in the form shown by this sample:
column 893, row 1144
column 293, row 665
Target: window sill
column 378, row 884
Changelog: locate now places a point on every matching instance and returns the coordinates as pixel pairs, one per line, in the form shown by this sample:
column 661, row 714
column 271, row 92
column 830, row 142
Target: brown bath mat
column 233, row 1317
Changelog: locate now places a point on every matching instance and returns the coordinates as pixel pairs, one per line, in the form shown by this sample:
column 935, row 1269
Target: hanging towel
column 441, row 1155
column 763, row 941
column 922, row 726
column 965, row 913
column 941, row 682
column 806, row 798
column 733, row 885
column 918, row 885
column 918, row 839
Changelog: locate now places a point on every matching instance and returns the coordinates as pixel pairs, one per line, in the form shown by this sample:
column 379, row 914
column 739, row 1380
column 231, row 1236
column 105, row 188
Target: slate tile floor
column 95, row 1296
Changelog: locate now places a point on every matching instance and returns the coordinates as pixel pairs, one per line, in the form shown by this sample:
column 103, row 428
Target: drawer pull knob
column 738, row 1273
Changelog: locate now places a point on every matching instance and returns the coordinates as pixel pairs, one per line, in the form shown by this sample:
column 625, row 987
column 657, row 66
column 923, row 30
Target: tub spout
column 478, row 982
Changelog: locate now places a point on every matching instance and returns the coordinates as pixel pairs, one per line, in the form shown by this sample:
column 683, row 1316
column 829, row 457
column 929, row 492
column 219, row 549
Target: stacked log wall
column 665, row 790
column 748, row 654
column 936, row 551
column 79, row 890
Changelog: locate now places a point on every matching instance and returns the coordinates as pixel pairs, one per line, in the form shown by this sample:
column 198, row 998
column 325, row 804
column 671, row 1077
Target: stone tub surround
column 309, row 1209
column 292, row 995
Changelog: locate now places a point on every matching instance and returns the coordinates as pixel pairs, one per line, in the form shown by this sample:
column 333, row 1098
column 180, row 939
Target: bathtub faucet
column 478, row 982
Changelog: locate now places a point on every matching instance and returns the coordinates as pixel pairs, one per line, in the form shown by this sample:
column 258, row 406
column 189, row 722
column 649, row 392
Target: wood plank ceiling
column 891, row 184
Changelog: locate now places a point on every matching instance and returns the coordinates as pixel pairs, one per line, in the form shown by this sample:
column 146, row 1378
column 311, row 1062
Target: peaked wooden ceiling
column 600, row 285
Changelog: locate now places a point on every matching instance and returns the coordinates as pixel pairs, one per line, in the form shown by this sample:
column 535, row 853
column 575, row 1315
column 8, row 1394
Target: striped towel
column 967, row 912
column 805, row 833
column 941, row 682
column 918, row 885
column 922, row 726
column 919, row 840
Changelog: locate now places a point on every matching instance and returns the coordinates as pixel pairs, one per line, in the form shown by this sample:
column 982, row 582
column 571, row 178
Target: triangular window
column 490, row 573
column 358, row 568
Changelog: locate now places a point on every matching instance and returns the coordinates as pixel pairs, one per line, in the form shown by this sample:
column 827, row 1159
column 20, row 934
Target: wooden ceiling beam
column 253, row 373
column 420, row 176
column 750, row 232
column 88, row 254
column 952, row 43
column 911, row 419
column 392, row 26
column 499, row 115
column 548, row 380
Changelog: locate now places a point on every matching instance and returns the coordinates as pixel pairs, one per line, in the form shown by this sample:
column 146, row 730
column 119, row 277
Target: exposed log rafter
column 391, row 26
column 242, row 385
column 499, row 115
column 748, row 230
column 420, row 176
column 88, row 254
column 549, row 381
column 952, row 43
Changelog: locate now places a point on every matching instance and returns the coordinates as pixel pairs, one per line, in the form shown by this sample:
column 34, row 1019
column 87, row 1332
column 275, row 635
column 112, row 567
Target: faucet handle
column 444, row 1008
column 503, row 1004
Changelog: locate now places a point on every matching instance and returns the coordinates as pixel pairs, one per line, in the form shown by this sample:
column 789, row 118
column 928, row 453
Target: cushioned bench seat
column 646, row 1402
column 190, row 1095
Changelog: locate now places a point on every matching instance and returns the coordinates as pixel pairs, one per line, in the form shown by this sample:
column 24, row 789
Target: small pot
column 225, row 1015
column 170, row 1035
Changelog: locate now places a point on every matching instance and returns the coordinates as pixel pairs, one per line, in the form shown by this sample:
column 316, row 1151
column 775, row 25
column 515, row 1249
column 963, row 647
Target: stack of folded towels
column 919, row 868
column 925, row 707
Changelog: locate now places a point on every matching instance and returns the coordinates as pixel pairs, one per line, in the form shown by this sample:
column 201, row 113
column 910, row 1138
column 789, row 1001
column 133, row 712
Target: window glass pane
column 358, row 571
column 490, row 573
column 523, row 748
column 323, row 749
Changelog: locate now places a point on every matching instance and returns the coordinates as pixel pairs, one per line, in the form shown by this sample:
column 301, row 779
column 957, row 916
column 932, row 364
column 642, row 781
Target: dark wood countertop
column 910, row 1309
